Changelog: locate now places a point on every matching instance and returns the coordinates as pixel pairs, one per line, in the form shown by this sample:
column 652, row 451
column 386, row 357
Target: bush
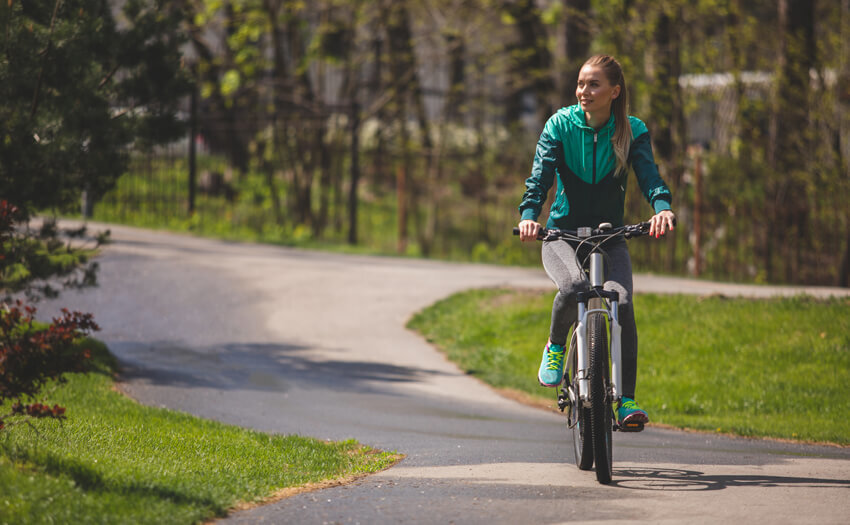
column 31, row 354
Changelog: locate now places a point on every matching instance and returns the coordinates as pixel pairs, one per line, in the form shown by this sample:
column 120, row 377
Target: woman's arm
column 651, row 184
column 547, row 156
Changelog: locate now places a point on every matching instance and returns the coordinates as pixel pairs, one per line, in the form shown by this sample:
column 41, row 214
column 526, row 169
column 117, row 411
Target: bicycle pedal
column 630, row 427
column 563, row 401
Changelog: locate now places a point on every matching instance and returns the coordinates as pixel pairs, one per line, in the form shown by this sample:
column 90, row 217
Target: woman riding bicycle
column 588, row 149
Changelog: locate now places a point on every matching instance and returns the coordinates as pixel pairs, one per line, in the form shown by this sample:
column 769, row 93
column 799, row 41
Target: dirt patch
column 288, row 492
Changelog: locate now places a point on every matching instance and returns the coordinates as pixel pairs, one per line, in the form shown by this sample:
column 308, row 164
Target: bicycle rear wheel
column 579, row 417
column 601, row 414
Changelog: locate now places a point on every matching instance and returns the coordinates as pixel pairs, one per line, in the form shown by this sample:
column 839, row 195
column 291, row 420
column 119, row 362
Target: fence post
column 87, row 203
column 355, row 173
column 193, row 131
column 697, row 211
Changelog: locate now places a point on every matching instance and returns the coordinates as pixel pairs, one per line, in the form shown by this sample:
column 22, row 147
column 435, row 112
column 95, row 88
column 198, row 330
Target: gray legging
column 561, row 265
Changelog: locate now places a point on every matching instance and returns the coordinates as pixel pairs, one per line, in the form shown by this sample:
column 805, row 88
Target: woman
column 587, row 149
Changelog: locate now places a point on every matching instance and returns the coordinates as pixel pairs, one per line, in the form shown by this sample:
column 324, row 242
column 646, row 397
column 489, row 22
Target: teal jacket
column 582, row 162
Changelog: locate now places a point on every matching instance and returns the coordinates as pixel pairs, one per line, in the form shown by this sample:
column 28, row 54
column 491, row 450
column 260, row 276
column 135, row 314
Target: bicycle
column 591, row 389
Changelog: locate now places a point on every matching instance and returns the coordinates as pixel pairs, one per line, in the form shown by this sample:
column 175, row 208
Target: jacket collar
column 576, row 116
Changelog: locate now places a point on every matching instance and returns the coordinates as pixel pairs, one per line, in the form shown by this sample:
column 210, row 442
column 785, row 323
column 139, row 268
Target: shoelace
column 630, row 405
column 554, row 360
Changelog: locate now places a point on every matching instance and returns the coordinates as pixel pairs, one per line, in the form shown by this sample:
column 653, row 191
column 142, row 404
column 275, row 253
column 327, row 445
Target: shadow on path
column 255, row 366
column 692, row 480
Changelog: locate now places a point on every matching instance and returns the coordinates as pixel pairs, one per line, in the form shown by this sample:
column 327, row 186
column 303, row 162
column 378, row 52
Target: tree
column 790, row 141
column 844, row 130
column 531, row 60
column 77, row 88
column 576, row 44
column 667, row 115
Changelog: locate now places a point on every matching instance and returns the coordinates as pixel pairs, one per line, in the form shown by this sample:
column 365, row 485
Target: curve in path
column 292, row 341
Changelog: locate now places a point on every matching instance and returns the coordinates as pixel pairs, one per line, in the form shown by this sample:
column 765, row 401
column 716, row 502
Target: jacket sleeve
column 548, row 155
column 653, row 187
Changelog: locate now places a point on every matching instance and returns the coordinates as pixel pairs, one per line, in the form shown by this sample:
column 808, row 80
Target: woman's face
column 594, row 92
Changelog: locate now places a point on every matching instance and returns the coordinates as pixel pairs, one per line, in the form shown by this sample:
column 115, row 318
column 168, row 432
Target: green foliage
column 32, row 355
column 456, row 112
column 113, row 460
column 76, row 88
column 31, row 262
column 776, row 368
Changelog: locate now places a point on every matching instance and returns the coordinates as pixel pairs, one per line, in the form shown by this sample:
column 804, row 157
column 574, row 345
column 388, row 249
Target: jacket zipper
column 595, row 136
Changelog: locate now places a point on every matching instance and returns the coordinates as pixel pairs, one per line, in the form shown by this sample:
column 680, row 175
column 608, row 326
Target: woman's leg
column 559, row 261
column 620, row 280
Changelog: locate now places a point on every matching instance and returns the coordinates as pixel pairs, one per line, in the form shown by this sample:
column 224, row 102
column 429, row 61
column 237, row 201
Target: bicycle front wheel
column 600, row 398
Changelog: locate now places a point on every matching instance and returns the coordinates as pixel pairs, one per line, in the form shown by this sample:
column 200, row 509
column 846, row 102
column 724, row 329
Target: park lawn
column 774, row 368
column 115, row 461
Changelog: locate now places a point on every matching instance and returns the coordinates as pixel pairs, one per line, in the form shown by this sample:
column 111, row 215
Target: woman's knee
column 625, row 297
column 570, row 289
column 567, row 293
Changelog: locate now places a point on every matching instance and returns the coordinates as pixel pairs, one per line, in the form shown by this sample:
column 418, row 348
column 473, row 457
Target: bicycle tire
column 601, row 414
column 579, row 418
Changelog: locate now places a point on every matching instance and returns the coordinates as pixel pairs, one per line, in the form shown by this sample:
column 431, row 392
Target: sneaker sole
column 636, row 418
column 547, row 385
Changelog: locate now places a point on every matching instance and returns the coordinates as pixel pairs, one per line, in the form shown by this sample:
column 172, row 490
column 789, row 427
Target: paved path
column 292, row 341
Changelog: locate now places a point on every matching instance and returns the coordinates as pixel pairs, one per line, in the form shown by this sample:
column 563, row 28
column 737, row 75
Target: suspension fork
column 611, row 311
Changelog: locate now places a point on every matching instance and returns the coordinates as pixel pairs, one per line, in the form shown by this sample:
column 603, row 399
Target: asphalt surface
column 291, row 341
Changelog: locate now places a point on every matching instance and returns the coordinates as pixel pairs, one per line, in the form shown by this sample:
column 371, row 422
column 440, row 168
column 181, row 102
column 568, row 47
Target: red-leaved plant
column 30, row 357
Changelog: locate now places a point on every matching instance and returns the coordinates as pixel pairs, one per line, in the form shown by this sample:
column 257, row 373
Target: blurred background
column 408, row 127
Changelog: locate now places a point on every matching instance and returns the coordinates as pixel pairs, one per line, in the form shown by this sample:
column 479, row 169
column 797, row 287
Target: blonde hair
column 622, row 139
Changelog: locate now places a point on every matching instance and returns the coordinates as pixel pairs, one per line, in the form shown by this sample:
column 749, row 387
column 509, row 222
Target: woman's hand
column 661, row 223
column 528, row 230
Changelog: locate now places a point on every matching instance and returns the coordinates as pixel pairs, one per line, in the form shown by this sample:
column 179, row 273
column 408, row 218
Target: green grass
column 115, row 461
column 775, row 368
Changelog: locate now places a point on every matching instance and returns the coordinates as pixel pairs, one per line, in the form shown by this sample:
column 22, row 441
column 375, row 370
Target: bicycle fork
column 583, row 348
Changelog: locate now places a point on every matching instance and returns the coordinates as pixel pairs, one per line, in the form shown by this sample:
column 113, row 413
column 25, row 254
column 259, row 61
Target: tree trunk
column 844, row 139
column 531, row 61
column 789, row 134
column 355, row 172
column 667, row 115
column 576, row 46
column 457, row 77
column 401, row 199
column 404, row 85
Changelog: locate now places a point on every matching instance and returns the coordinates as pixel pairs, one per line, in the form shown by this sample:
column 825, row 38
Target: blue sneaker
column 552, row 367
column 630, row 416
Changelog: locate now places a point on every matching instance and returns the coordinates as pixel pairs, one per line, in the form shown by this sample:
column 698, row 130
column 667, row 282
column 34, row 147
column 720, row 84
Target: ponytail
column 622, row 139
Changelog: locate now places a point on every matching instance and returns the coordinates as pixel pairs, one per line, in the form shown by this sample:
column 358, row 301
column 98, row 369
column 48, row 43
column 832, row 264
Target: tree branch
column 108, row 77
column 44, row 56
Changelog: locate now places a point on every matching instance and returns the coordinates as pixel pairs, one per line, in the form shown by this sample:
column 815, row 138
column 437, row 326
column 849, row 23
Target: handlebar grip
column 516, row 231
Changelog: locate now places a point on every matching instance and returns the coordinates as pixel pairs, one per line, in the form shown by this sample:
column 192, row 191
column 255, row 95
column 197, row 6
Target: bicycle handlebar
column 628, row 231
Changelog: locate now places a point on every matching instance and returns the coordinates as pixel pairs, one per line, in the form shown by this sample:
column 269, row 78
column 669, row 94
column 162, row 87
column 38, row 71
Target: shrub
column 31, row 354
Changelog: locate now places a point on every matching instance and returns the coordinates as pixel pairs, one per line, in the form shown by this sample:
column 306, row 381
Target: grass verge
column 772, row 368
column 115, row 461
